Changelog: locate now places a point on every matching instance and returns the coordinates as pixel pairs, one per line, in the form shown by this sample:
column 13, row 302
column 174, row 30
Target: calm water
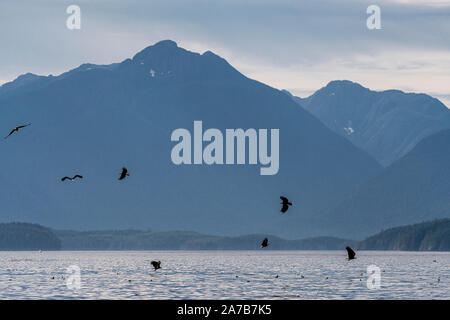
column 224, row 275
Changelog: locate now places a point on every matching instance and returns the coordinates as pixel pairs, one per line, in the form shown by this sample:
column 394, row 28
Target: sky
column 295, row 45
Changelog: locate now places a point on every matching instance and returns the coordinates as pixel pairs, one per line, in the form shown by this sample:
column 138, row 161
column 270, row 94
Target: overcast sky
column 295, row 45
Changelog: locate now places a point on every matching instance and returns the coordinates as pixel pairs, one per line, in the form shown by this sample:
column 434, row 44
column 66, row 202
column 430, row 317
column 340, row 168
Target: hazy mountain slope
column 427, row 236
column 26, row 236
column 415, row 188
column 386, row 124
column 185, row 240
column 95, row 119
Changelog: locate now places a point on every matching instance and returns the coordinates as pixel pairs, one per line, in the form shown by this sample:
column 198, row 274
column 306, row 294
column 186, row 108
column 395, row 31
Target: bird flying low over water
column 286, row 203
column 73, row 178
column 16, row 129
column 351, row 253
column 124, row 174
column 265, row 243
column 156, row 265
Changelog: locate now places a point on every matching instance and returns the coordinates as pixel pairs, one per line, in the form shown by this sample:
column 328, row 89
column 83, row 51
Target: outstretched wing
column 284, row 208
column 265, row 242
column 12, row 131
column 123, row 174
column 284, row 199
column 351, row 253
column 65, row 178
column 78, row 176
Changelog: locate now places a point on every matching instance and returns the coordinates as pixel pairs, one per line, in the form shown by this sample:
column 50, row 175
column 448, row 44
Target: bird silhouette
column 124, row 174
column 351, row 253
column 73, row 178
column 16, row 129
column 286, row 203
column 156, row 265
column 265, row 243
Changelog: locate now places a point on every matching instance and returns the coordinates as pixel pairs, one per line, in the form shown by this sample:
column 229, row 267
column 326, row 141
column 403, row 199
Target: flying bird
column 351, row 253
column 16, row 129
column 265, row 243
column 124, row 174
column 156, row 265
column 286, row 203
column 73, row 178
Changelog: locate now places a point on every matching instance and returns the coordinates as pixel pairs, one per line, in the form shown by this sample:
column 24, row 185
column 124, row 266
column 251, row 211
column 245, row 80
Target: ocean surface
column 224, row 275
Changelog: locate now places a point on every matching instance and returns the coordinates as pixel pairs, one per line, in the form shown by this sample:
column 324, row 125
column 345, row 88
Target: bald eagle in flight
column 265, row 243
column 286, row 203
column 124, row 174
column 351, row 253
column 73, row 178
column 16, row 129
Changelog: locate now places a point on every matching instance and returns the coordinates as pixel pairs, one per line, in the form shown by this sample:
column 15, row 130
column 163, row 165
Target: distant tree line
column 27, row 236
column 427, row 236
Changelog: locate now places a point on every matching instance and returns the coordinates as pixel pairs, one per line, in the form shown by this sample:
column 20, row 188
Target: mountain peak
column 166, row 60
column 159, row 49
column 345, row 84
column 166, row 44
column 20, row 81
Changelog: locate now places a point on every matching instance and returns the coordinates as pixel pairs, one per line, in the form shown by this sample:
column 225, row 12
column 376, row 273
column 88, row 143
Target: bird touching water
column 156, row 265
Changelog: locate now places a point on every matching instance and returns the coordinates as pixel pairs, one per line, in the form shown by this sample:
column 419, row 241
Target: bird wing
column 65, row 178
column 12, row 131
column 284, row 208
column 350, row 252
column 123, row 173
column 78, row 176
column 284, row 199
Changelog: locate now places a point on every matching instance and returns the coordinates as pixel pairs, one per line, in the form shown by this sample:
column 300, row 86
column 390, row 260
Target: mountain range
column 413, row 189
column 95, row 119
column 386, row 124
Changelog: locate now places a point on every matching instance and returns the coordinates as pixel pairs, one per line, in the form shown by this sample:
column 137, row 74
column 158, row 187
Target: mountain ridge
column 95, row 121
column 415, row 188
column 386, row 124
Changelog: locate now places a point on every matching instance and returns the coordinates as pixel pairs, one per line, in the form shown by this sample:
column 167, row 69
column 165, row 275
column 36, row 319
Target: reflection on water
column 224, row 275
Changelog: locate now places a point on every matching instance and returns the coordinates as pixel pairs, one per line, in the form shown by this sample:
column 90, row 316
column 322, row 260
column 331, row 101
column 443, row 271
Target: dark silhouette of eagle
column 156, row 265
column 265, row 243
column 351, row 253
column 286, row 203
column 124, row 174
column 16, row 129
column 73, row 178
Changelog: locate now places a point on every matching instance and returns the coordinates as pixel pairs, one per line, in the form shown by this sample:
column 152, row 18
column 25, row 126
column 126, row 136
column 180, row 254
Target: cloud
column 288, row 44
